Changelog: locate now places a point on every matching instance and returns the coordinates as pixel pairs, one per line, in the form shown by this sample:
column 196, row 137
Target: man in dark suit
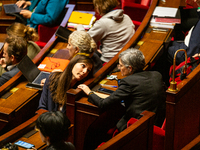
column 15, row 48
column 191, row 42
column 140, row 90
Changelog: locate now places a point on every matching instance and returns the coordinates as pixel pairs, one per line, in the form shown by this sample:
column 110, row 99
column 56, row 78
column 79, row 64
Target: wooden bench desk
column 75, row 99
column 17, row 105
column 2, row 37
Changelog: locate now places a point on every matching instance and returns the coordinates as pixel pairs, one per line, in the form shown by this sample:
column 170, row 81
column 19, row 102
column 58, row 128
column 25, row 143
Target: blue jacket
column 47, row 12
column 46, row 102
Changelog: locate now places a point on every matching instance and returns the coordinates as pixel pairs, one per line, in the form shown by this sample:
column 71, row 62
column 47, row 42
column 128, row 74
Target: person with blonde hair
column 114, row 29
column 80, row 42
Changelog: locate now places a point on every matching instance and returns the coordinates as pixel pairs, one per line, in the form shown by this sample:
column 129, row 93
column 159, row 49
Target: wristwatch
column 92, row 92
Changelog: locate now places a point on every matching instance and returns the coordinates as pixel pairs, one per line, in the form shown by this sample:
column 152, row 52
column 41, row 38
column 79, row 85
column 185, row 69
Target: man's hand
column 98, row 50
column 196, row 55
column 26, row 14
column 2, row 62
column 198, row 2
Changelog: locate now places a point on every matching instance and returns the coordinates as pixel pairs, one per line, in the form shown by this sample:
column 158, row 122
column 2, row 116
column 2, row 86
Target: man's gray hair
column 134, row 58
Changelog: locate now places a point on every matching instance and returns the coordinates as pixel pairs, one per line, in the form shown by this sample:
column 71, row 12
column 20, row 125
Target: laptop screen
column 28, row 68
column 11, row 8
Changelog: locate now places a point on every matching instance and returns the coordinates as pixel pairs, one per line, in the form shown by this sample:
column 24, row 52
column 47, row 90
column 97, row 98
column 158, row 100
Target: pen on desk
column 158, row 29
column 114, row 86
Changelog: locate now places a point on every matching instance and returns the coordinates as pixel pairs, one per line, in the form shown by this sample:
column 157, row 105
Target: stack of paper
column 155, row 24
column 86, row 18
column 165, row 17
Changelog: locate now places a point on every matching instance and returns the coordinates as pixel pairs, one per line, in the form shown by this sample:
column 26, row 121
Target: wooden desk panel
column 18, row 107
column 172, row 3
column 183, row 113
column 6, row 20
column 3, row 37
column 35, row 140
column 86, row 113
column 148, row 49
column 193, row 145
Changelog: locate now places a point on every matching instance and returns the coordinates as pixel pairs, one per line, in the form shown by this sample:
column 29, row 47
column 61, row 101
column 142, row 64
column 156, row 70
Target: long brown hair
column 60, row 82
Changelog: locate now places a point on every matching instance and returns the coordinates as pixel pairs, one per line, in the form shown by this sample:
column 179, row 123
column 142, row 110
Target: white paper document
column 165, row 11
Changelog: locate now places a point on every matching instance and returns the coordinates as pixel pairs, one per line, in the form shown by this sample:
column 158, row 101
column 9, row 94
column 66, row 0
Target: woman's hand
column 26, row 14
column 85, row 88
column 23, row 3
column 43, row 82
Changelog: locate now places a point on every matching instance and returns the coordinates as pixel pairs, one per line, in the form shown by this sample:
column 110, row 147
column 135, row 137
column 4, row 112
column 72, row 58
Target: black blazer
column 140, row 91
column 192, row 49
column 8, row 75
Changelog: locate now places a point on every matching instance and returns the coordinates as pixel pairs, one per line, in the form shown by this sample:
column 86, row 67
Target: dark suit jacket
column 8, row 75
column 193, row 47
column 140, row 91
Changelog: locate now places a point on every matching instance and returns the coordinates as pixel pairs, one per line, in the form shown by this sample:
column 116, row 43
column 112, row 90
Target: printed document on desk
column 165, row 11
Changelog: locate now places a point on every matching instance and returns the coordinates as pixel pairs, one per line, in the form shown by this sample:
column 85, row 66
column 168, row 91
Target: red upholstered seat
column 45, row 33
column 158, row 134
column 158, row 138
column 136, row 9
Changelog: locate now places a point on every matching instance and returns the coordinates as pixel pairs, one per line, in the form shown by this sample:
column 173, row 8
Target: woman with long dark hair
column 54, row 94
